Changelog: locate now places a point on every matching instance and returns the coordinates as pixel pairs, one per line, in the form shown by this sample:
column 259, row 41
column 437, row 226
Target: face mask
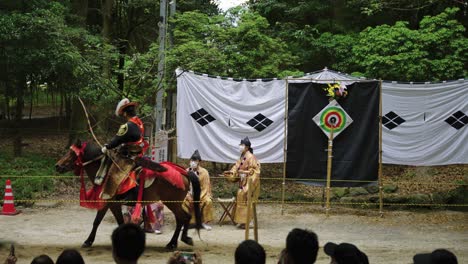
column 193, row 164
column 241, row 148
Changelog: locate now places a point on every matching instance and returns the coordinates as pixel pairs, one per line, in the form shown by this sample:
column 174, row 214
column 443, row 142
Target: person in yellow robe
column 206, row 202
column 246, row 167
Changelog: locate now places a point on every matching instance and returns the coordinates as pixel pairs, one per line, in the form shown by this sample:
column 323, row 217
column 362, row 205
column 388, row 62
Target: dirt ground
column 395, row 238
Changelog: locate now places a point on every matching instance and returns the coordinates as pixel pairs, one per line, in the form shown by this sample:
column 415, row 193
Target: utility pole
column 170, row 103
column 162, row 57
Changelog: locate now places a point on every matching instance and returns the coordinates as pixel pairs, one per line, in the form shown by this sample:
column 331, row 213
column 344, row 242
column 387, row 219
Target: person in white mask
column 246, row 167
column 206, row 203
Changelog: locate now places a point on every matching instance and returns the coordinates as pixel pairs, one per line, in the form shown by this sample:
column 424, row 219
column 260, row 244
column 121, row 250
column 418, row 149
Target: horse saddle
column 119, row 170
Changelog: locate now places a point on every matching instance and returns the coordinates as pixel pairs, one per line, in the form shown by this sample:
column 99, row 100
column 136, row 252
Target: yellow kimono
column 248, row 162
column 206, row 203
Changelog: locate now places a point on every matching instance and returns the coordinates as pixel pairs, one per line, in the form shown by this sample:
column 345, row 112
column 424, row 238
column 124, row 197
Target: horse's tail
column 196, row 198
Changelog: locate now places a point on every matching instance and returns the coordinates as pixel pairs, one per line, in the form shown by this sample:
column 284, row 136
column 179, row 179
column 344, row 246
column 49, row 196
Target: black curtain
column 355, row 149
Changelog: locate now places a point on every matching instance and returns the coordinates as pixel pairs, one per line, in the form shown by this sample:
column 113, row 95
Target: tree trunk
column 77, row 122
column 17, row 142
column 122, row 52
column 74, row 114
column 80, row 8
column 31, row 102
column 67, row 108
column 106, row 10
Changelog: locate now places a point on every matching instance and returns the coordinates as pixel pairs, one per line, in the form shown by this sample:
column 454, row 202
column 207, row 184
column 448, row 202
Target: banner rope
column 257, row 202
column 269, row 178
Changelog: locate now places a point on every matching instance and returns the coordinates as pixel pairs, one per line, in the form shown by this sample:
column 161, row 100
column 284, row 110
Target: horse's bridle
column 79, row 152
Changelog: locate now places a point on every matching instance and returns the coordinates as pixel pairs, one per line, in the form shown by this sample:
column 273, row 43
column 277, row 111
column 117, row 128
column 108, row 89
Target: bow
column 89, row 123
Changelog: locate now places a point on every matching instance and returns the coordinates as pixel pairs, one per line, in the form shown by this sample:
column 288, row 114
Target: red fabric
column 90, row 199
column 178, row 168
column 128, row 183
column 172, row 175
column 137, row 212
column 137, row 121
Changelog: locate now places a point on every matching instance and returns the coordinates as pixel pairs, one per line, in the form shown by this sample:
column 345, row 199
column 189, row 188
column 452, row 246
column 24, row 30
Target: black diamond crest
column 391, row 120
column 457, row 120
column 260, row 122
column 202, row 117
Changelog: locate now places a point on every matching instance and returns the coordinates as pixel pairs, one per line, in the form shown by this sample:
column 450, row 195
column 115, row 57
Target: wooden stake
column 329, row 169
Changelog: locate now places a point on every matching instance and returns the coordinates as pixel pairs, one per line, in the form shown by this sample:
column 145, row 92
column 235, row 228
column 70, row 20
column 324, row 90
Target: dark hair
column 42, row 259
column 443, row 256
column 302, row 246
column 128, row 242
column 251, row 150
column 130, row 110
column 250, row 252
column 70, row 256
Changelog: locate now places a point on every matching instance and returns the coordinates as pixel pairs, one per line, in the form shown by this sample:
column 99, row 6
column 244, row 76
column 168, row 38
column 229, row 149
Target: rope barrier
column 267, row 178
column 257, row 202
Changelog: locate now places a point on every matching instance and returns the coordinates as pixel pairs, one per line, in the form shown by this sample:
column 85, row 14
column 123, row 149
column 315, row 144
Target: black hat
column 439, row 256
column 246, row 142
column 196, row 156
column 345, row 253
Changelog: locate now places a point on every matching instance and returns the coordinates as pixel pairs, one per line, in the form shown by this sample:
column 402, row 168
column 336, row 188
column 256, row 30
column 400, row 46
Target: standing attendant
column 246, row 167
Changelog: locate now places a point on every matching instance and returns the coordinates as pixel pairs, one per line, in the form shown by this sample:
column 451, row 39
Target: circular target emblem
column 333, row 117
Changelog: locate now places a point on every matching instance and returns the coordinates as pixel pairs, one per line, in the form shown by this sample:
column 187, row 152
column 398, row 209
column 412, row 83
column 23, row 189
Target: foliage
column 236, row 44
column 438, row 50
column 29, row 165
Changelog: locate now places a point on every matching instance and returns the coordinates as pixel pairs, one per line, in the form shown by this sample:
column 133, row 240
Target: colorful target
column 332, row 117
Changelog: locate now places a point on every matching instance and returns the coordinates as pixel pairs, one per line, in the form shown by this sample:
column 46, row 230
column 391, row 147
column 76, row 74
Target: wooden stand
column 251, row 195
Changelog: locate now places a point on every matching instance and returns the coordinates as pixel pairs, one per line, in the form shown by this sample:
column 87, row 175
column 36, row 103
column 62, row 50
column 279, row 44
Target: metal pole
column 329, row 168
column 162, row 46
column 285, row 146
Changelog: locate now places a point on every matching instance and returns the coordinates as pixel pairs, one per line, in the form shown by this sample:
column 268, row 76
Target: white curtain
column 423, row 124
column 213, row 115
column 433, row 129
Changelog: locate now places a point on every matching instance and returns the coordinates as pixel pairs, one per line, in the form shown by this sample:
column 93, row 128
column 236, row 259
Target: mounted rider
column 128, row 143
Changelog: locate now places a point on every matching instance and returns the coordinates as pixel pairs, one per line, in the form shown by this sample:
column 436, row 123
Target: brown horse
column 160, row 189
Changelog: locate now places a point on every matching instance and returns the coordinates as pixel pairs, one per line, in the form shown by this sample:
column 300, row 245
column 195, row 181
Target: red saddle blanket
column 173, row 174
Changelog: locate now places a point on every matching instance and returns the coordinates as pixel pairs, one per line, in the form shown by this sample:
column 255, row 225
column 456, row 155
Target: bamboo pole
column 329, row 168
column 254, row 209
column 285, row 153
column 249, row 205
column 380, row 152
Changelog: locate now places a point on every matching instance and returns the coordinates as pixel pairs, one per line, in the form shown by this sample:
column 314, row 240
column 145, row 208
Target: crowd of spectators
column 302, row 247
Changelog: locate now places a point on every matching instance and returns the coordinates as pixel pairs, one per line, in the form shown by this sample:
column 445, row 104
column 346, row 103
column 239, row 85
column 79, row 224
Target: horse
column 160, row 189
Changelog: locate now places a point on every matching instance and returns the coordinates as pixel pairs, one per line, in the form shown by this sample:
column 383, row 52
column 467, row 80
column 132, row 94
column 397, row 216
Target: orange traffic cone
column 8, row 201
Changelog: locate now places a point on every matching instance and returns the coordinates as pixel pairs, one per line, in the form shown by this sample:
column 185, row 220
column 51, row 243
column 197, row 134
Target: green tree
column 33, row 41
column 237, row 44
column 438, row 50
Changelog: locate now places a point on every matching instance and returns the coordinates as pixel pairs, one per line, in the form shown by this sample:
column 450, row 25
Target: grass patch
column 28, row 165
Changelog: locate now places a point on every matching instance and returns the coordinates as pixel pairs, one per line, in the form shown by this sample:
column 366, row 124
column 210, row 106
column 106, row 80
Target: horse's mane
column 92, row 151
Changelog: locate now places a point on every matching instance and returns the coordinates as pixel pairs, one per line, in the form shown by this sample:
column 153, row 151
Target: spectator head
column 250, row 252
column 345, row 253
column 128, row 243
column 70, row 256
column 438, row 256
column 42, row 259
column 301, row 246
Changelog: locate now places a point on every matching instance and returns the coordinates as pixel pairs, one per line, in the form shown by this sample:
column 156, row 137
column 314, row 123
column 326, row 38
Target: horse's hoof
column 188, row 241
column 171, row 246
column 87, row 244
